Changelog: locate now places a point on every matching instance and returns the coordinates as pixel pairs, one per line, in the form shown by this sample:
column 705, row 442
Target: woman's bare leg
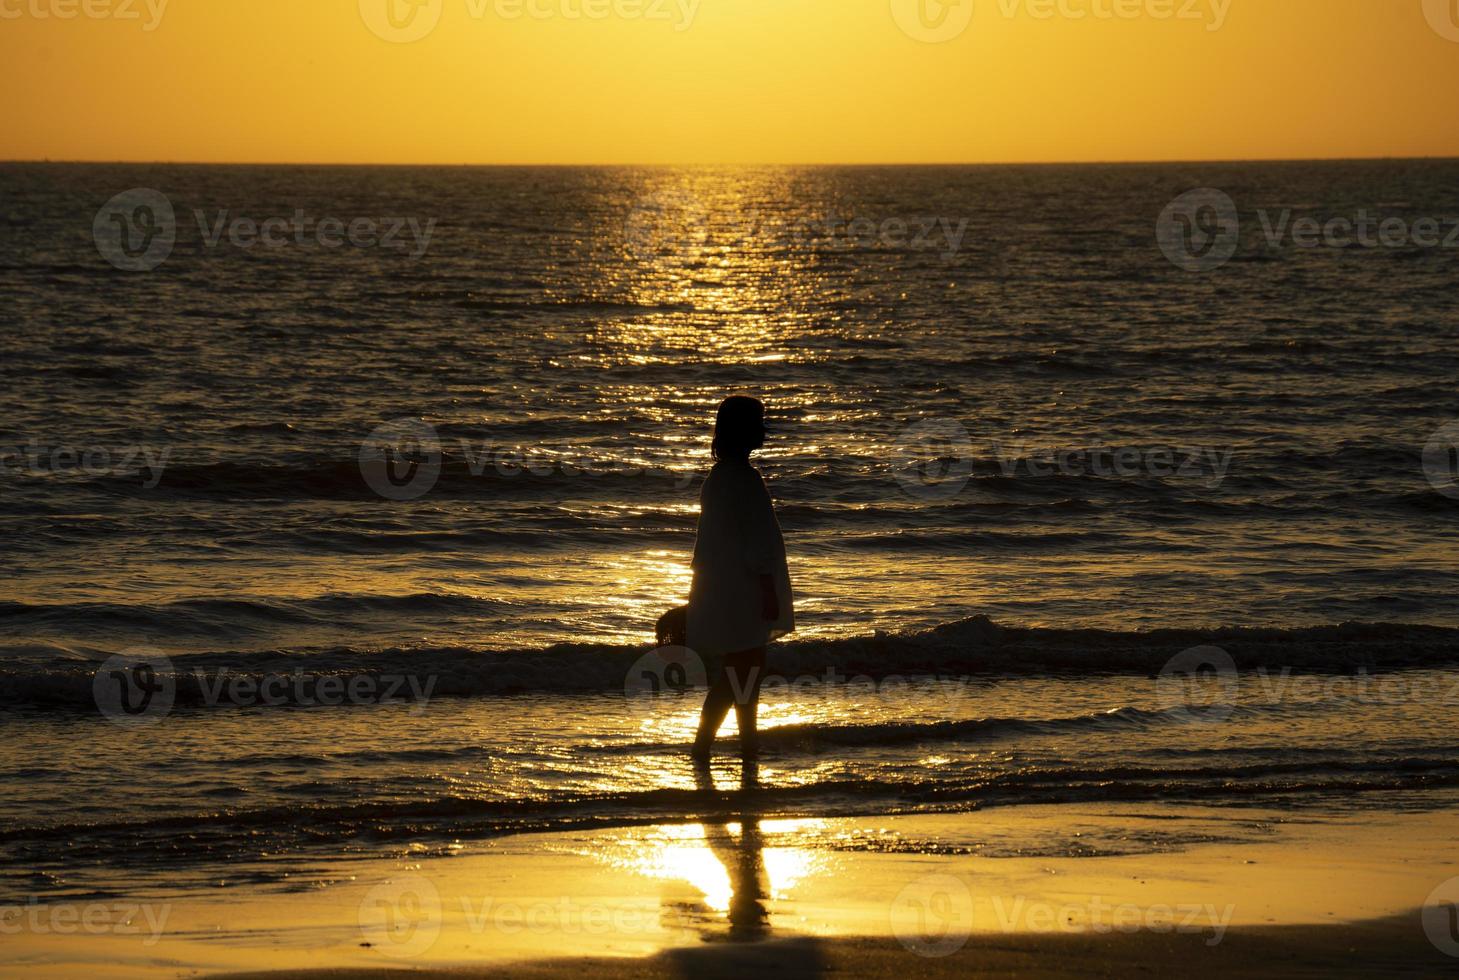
column 751, row 672
column 716, row 707
column 737, row 686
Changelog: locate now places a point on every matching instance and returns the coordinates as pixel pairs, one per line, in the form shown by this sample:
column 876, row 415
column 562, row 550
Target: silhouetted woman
column 741, row 598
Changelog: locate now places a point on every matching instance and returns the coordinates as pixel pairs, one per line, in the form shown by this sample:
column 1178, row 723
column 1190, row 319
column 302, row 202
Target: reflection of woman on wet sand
column 743, row 861
column 741, row 598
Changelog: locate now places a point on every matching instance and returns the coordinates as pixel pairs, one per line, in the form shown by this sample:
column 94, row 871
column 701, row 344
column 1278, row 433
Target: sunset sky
column 731, row 81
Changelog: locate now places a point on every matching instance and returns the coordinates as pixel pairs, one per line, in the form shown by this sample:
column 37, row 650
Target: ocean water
column 1018, row 451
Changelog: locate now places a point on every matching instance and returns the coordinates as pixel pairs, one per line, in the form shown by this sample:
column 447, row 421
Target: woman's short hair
column 739, row 426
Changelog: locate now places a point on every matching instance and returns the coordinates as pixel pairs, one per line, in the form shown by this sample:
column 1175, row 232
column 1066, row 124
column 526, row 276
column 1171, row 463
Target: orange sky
column 727, row 81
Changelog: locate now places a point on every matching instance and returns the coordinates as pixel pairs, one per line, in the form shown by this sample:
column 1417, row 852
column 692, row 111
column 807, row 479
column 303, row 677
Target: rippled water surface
column 570, row 320
column 183, row 471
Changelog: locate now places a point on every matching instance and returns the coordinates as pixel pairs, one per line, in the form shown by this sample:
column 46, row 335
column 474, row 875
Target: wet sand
column 1266, row 894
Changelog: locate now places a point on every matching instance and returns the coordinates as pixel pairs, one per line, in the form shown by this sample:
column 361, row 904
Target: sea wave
column 970, row 647
column 532, row 463
column 232, row 615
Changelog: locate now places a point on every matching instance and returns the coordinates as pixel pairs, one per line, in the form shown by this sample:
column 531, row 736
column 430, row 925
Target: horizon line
column 608, row 165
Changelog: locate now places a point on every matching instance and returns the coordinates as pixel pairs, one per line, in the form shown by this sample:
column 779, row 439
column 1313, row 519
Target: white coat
column 739, row 541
